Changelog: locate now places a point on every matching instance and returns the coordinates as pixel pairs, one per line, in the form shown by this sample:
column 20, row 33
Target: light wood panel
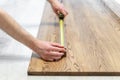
column 92, row 38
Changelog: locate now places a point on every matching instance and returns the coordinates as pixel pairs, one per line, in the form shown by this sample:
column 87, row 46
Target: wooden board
column 92, row 38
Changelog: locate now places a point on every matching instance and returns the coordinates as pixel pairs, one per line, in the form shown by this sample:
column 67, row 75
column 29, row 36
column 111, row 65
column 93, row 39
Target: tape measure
column 61, row 32
column 61, row 22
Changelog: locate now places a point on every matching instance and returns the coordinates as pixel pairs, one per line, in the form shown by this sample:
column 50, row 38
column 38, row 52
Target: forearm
column 51, row 1
column 10, row 26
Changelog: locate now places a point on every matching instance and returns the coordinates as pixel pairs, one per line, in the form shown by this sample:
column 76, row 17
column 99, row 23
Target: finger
column 50, row 59
column 56, row 11
column 56, row 58
column 66, row 11
column 57, row 45
column 57, row 49
column 63, row 12
column 56, row 54
column 47, row 58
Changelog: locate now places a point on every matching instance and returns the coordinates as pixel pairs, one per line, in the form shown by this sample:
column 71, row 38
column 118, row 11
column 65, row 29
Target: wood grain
column 92, row 38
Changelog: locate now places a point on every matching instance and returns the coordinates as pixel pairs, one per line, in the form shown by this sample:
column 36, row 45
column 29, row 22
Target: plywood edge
column 74, row 73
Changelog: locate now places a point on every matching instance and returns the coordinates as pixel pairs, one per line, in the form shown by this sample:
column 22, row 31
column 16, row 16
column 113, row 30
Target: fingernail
column 65, row 52
column 64, row 55
column 54, row 60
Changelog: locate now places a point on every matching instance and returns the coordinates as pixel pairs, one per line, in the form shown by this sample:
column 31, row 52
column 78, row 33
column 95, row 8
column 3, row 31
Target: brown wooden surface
column 92, row 38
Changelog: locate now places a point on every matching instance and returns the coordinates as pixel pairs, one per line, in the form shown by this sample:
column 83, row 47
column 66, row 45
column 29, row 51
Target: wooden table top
column 92, row 39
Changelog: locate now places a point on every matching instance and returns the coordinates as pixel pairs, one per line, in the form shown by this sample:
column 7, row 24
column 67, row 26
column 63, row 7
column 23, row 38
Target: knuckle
column 48, row 49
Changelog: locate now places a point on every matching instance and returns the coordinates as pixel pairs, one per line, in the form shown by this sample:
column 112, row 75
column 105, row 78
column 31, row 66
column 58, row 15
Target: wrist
column 34, row 44
column 52, row 1
column 30, row 41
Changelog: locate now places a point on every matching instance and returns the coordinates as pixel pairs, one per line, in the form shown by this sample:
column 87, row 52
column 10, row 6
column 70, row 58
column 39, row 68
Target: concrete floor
column 15, row 57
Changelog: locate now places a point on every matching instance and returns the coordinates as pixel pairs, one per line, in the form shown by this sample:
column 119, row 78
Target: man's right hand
column 49, row 51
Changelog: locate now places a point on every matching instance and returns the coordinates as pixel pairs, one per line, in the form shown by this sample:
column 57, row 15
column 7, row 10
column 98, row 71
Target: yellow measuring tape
column 61, row 22
column 61, row 32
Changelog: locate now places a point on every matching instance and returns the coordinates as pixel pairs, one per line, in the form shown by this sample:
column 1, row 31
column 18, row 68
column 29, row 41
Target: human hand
column 58, row 7
column 49, row 51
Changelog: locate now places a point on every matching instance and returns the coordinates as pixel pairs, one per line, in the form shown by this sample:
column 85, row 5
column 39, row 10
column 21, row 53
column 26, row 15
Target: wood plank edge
column 74, row 73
